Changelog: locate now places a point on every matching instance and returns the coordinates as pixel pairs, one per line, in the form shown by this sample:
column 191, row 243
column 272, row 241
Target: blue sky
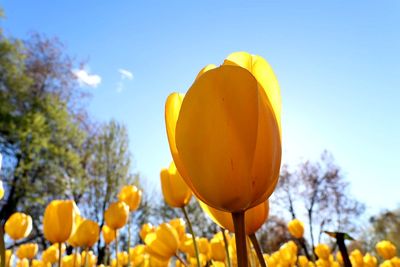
column 338, row 64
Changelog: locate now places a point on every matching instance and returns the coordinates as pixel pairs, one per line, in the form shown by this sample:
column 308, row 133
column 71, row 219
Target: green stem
column 86, row 256
column 196, row 249
column 240, row 237
column 228, row 258
column 59, row 253
column 2, row 247
column 116, row 247
column 257, row 247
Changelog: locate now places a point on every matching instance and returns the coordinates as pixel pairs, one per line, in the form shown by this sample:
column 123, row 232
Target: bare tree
column 318, row 193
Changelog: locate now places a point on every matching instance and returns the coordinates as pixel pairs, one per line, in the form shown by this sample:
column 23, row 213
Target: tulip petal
column 216, row 136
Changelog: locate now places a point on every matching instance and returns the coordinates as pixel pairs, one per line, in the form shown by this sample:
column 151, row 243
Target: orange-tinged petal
column 175, row 190
column 227, row 139
column 264, row 74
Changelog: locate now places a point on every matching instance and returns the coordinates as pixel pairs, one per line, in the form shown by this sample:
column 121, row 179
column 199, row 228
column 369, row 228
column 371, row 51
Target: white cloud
column 84, row 78
column 125, row 74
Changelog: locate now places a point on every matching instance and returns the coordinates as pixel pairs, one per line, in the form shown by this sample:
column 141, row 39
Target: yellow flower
column 163, row 243
column 108, row 234
column 217, row 248
column 27, row 251
column 87, row 234
column 131, row 195
column 146, row 228
column 323, row 251
column 116, row 216
column 51, row 254
column 1, row 188
column 138, row 255
column 175, row 190
column 23, row 263
column 386, row 249
column 73, row 260
column 254, row 217
column 59, row 220
column 303, row 261
column 370, row 261
column 180, row 227
column 356, row 258
column 9, row 258
column 18, row 226
column 296, row 228
column 225, row 136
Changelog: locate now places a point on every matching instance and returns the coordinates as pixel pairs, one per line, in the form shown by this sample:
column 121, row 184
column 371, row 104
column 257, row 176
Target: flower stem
column 240, row 237
column 2, row 247
column 181, row 260
column 59, row 253
column 196, row 249
column 228, row 258
column 257, row 247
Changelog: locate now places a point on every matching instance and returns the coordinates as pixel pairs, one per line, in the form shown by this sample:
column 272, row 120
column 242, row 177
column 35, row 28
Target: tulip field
column 225, row 139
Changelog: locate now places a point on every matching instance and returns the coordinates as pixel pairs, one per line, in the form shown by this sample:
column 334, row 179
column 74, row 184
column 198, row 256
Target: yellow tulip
column 73, row 260
column 131, row 195
column 116, row 216
column 39, row 263
column 323, row 251
column 232, row 144
column 73, row 238
column 108, row 234
column 146, row 228
column 163, row 243
column 386, row 249
column 23, row 263
column 91, row 258
column 302, row 261
column 180, row 227
column 175, row 190
column 370, row 261
column 356, row 258
column 217, row 248
column 87, row 233
column 9, row 258
column 59, row 220
column 18, row 226
column 122, row 258
column 296, row 228
column 254, row 217
column 51, row 254
column 156, row 262
column 395, row 261
column 27, row 251
column 138, row 255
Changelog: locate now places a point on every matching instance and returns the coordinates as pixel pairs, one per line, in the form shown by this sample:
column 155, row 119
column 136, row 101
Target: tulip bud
column 87, row 233
column 180, row 227
column 59, row 220
column 322, row 251
column 131, row 195
column 51, row 254
column 175, row 190
column 18, row 226
column 356, row 258
column 116, row 216
column 108, row 234
column 386, row 249
column 296, row 228
column 163, row 243
column 27, row 251
column 146, row 228
column 370, row 261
